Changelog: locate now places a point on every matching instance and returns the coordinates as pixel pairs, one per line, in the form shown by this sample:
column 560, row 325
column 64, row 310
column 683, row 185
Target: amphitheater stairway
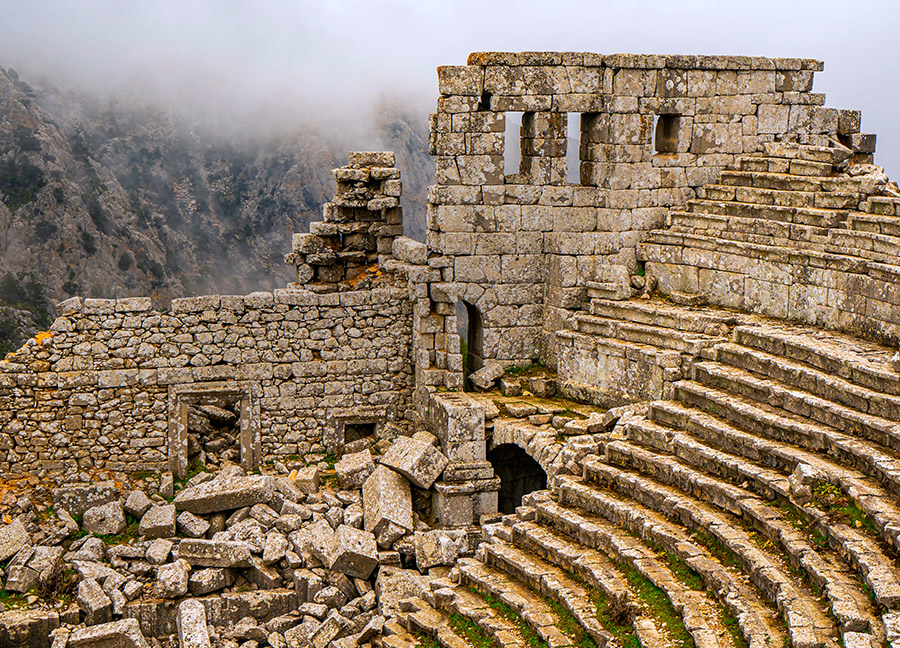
column 758, row 506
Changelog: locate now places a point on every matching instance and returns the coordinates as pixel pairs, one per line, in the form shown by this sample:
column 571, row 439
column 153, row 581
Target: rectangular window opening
column 512, row 144
column 665, row 135
column 573, row 147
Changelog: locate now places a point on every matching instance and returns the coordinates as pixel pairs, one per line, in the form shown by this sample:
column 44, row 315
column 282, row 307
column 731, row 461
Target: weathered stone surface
column 387, row 506
column 21, row 578
column 213, row 553
column 172, row 579
column 191, row 622
column 118, row 634
column 158, row 551
column 105, row 519
column 137, row 503
column 13, row 537
column 225, row 493
column 438, row 547
column 353, row 469
column 353, row 552
column 78, row 498
column 191, row 526
column 94, row 602
column 395, row 584
column 28, row 628
column 307, row 479
column 206, row 581
column 421, row 463
column 487, row 376
column 158, row 522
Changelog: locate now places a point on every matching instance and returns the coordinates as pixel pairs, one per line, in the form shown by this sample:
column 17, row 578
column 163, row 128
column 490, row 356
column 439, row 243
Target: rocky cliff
column 107, row 199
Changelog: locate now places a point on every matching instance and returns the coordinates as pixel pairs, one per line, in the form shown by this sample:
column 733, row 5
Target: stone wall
column 521, row 247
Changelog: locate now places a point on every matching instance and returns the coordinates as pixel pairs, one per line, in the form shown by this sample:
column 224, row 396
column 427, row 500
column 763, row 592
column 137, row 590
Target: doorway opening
column 471, row 334
column 519, row 475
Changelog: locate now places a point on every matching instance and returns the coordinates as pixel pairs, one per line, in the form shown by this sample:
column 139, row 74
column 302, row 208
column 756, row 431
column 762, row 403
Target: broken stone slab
column 158, row 551
column 353, row 469
column 13, row 537
column 172, row 579
column 158, row 522
column 485, row 378
column 105, row 519
column 333, row 627
column 225, row 493
column 387, row 506
column 191, row 526
column 213, row 553
column 353, row 552
column 78, row 498
column 206, row 581
column 191, row 624
column 93, row 601
column 275, row 548
column 118, row 634
column 27, row 628
column 420, row 462
column 21, row 579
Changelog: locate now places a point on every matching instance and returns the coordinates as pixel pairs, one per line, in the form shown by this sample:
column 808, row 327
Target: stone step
column 716, row 224
column 666, row 476
column 857, row 424
column 863, row 552
column 694, row 607
column 864, row 363
column 884, row 205
column 550, row 581
column 528, row 605
column 768, row 180
column 656, row 312
column 876, row 223
column 874, row 500
column 792, row 198
column 660, row 336
column 867, row 245
column 754, row 615
column 434, row 623
column 767, row 572
column 797, row 215
column 768, row 422
column 784, row 165
column 608, row 290
column 459, row 600
column 810, row 379
column 736, row 234
column 791, row 151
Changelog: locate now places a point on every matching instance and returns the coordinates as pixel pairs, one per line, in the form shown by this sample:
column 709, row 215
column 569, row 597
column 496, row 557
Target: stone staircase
column 756, row 506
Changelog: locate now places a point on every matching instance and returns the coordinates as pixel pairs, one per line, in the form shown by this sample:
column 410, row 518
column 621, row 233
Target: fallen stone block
column 225, row 493
column 158, row 522
column 21, row 578
column 353, row 552
column 172, row 579
column 485, row 378
column 119, row 634
column 191, row 526
column 307, row 479
column 421, row 463
column 276, row 546
column 206, row 581
column 28, row 628
column 333, row 627
column 137, row 503
column 213, row 553
column 13, row 537
column 387, row 506
column 353, row 469
column 105, row 519
column 438, row 547
column 158, row 551
column 78, row 498
column 395, row 584
column 93, row 601
column 191, row 623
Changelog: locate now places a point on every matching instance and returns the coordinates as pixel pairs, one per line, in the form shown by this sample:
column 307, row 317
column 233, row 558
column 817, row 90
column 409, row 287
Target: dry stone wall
column 521, row 245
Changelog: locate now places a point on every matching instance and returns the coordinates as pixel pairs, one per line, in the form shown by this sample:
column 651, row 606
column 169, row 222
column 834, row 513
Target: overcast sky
column 290, row 61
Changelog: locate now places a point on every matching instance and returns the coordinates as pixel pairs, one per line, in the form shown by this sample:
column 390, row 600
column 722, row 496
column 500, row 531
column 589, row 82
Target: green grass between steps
column 470, row 631
column 658, row 605
column 530, row 636
column 424, row 641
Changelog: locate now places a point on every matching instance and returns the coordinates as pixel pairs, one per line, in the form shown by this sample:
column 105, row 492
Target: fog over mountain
column 171, row 147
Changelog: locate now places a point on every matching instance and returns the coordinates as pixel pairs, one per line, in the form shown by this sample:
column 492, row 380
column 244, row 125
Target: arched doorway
column 519, row 475
column 471, row 332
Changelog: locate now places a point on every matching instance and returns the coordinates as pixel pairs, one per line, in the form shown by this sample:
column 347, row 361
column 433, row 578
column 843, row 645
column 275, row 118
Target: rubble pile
column 213, row 433
column 232, row 560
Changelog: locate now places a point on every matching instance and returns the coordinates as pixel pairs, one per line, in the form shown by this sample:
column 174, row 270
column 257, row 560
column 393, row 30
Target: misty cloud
column 282, row 63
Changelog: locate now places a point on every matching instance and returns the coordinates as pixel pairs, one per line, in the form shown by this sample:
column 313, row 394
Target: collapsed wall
column 520, row 244
column 111, row 383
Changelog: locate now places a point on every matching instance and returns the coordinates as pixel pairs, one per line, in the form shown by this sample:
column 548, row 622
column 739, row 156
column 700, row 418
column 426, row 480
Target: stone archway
column 519, row 475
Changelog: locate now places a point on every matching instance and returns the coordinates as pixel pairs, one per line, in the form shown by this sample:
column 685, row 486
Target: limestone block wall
column 521, row 244
column 105, row 388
